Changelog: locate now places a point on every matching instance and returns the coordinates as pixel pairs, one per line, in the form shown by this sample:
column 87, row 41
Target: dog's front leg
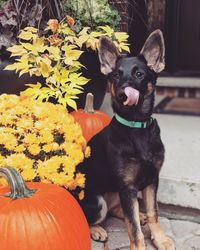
column 159, row 238
column 130, row 207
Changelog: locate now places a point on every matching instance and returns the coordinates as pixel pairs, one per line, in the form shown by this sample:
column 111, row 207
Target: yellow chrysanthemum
column 28, row 174
column 80, row 179
column 87, row 152
column 20, row 148
column 47, row 148
column 41, row 141
column 31, row 138
column 8, row 140
column 46, row 136
column 10, row 145
column 18, row 161
column 34, row 149
column 81, row 195
column 25, row 123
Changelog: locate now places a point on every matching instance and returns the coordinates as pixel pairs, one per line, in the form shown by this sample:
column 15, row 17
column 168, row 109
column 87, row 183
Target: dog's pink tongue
column 132, row 96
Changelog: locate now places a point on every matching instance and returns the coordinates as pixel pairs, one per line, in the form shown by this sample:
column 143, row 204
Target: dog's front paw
column 141, row 245
column 163, row 243
column 159, row 238
column 98, row 233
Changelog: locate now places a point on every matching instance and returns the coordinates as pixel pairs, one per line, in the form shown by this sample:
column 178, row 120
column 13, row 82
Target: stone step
column 179, row 82
column 185, row 234
column 180, row 176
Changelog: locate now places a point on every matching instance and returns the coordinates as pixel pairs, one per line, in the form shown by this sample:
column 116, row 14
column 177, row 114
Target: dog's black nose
column 121, row 95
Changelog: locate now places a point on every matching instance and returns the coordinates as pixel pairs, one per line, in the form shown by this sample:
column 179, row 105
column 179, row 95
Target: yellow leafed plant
column 41, row 141
column 55, row 57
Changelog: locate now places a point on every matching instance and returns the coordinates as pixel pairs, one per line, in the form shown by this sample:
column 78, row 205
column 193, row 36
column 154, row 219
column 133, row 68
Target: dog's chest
column 141, row 158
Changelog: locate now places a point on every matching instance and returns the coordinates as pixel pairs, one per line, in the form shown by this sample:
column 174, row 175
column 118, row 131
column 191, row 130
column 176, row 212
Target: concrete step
column 185, row 234
column 180, row 176
column 179, row 82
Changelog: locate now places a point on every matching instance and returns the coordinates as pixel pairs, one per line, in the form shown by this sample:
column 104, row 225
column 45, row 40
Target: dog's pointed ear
column 154, row 51
column 108, row 55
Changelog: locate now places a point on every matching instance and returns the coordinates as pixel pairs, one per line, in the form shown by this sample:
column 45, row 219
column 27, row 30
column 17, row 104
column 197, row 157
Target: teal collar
column 133, row 124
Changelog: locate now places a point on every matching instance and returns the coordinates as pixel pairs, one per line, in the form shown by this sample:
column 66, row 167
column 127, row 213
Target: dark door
column 183, row 35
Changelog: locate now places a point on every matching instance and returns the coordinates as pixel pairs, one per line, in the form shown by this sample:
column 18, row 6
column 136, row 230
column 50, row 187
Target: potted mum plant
column 42, row 142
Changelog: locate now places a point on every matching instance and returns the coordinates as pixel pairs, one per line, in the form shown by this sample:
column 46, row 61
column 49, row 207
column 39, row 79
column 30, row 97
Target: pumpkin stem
column 16, row 183
column 89, row 103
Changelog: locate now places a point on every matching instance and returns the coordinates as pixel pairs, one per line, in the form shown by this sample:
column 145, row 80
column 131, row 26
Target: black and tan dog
column 128, row 154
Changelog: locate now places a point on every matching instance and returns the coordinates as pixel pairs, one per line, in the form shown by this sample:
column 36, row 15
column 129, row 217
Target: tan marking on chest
column 129, row 172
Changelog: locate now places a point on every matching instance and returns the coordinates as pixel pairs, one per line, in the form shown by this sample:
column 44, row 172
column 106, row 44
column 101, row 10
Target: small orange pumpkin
column 91, row 121
column 40, row 217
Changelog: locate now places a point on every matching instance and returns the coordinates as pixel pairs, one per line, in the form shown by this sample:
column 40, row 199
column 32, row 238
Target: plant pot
column 98, row 83
column 10, row 82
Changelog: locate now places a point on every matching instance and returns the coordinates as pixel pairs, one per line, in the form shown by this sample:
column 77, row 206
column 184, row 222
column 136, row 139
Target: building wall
column 122, row 7
column 155, row 13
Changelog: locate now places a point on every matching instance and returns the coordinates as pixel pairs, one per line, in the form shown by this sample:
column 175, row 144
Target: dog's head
column 132, row 79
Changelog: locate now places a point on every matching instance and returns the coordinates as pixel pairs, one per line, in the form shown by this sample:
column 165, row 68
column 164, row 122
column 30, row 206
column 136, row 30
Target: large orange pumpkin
column 40, row 217
column 91, row 121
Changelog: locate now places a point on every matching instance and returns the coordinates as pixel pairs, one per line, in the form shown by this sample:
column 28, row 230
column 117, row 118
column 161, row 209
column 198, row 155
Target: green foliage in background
column 2, row 2
column 92, row 13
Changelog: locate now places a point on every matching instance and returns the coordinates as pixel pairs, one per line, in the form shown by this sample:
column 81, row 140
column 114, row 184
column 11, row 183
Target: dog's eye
column 115, row 75
column 139, row 74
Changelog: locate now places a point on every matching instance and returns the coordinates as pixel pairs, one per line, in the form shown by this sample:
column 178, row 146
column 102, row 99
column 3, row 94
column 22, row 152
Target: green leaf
column 64, row 29
column 27, row 35
column 36, row 91
column 72, row 104
column 17, row 50
column 36, row 85
column 81, row 40
column 44, row 66
column 10, row 67
column 55, row 52
column 31, row 29
column 77, row 79
column 109, row 31
column 35, row 48
column 121, row 36
column 124, row 47
column 84, row 31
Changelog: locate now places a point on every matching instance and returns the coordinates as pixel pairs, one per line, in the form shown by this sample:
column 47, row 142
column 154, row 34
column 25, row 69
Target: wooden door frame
column 172, row 25
column 172, row 28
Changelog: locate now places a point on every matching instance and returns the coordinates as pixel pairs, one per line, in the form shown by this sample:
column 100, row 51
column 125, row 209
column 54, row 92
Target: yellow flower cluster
column 41, row 141
column 56, row 56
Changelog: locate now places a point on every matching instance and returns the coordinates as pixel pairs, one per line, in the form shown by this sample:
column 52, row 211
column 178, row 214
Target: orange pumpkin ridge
column 48, row 218
column 91, row 121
